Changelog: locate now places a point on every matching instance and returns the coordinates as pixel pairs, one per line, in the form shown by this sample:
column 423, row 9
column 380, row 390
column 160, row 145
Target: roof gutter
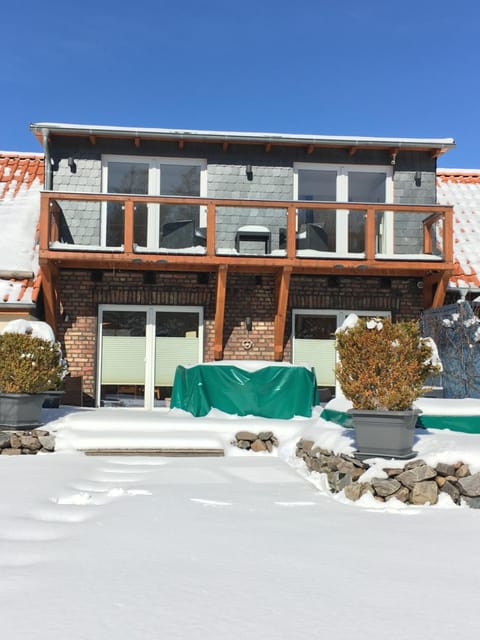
column 239, row 137
column 48, row 163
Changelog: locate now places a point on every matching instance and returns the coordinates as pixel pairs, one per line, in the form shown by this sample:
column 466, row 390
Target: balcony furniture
column 268, row 390
column 316, row 237
column 253, row 239
column 313, row 237
column 200, row 237
column 177, row 234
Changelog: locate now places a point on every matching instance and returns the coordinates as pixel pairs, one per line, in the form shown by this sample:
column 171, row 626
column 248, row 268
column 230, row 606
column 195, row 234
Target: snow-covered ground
column 245, row 547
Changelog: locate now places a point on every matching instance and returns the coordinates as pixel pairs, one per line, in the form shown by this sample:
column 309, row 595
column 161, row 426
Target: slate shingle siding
column 272, row 179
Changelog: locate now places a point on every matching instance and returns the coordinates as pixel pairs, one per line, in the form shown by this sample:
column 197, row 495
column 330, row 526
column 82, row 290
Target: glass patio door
column 140, row 349
column 314, row 340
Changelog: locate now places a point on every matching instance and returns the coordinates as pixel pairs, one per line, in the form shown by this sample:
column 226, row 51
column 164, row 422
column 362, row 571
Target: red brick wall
column 247, row 296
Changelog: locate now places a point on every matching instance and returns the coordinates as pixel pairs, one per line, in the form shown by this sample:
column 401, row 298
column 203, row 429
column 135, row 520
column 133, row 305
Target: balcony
column 86, row 230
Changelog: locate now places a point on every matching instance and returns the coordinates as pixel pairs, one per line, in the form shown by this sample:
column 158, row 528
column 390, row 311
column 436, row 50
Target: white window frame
column 342, row 171
column 150, row 311
column 154, row 171
column 341, row 315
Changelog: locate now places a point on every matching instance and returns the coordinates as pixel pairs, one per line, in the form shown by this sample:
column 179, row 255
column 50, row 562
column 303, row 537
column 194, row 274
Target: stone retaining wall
column 415, row 483
column 15, row 443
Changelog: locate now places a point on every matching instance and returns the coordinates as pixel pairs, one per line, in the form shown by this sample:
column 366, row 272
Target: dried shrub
column 29, row 364
column 383, row 365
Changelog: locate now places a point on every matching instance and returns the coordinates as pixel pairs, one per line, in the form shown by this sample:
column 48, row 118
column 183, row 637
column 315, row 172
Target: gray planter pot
column 384, row 434
column 21, row 410
column 52, row 399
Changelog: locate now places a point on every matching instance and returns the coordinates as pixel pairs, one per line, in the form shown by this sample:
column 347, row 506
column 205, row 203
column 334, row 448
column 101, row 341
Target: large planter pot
column 52, row 399
column 384, row 434
column 21, row 410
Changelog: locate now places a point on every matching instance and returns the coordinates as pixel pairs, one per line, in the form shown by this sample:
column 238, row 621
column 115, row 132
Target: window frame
column 154, row 181
column 342, row 171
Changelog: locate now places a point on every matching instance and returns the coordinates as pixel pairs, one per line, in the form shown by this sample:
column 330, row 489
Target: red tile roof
column 461, row 189
column 17, row 171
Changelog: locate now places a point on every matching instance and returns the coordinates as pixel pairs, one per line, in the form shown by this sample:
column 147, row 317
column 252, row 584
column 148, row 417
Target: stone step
column 189, row 453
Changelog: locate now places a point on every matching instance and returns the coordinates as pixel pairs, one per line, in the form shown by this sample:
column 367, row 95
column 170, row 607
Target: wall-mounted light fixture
column 249, row 172
column 418, row 178
column 72, row 165
column 248, row 323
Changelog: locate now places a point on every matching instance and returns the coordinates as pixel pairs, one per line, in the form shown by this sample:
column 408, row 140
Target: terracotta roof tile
column 20, row 171
column 461, row 189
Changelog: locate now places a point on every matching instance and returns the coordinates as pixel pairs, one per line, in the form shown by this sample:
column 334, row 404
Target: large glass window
column 314, row 340
column 169, row 226
column 338, row 230
column 140, row 349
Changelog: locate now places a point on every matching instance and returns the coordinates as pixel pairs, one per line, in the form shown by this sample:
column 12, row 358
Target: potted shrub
column 382, row 370
column 29, row 367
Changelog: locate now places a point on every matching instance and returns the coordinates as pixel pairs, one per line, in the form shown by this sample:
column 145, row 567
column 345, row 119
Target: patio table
column 272, row 391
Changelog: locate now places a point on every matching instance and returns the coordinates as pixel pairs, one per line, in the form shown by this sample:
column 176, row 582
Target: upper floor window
column 154, row 225
column 335, row 230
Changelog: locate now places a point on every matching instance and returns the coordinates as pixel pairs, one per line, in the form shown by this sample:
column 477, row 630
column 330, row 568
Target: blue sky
column 373, row 68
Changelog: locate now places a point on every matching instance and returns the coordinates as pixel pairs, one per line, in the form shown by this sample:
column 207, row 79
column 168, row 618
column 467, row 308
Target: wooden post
column 370, row 234
column 448, row 235
column 211, row 229
column 291, row 232
column 439, row 297
column 44, row 221
column 128, row 227
column 220, row 311
column 50, row 296
column 282, row 289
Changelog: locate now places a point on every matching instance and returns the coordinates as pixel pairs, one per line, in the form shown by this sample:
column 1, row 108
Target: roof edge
column 48, row 128
column 458, row 172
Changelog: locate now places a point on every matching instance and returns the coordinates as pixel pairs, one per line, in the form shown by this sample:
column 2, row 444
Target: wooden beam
column 137, row 142
column 93, row 139
column 44, row 223
column 225, row 146
column 211, row 230
column 441, row 290
column 310, row 149
column 48, row 274
column 282, row 289
column 220, row 311
column 128, row 227
column 352, row 151
column 181, row 144
column 268, row 147
column 370, row 234
column 291, row 232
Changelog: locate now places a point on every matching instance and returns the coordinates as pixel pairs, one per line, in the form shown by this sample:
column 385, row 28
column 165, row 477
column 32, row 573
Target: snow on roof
column 41, row 128
column 21, row 179
column 461, row 189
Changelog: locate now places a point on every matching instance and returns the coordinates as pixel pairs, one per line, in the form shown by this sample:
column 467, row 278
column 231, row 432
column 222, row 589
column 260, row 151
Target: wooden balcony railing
column 92, row 229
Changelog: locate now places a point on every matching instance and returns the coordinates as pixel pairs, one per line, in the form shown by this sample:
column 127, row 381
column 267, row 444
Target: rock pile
column 15, row 443
column 414, row 483
column 263, row 441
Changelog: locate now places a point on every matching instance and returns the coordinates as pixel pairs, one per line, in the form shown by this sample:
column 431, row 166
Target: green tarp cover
column 461, row 423
column 270, row 392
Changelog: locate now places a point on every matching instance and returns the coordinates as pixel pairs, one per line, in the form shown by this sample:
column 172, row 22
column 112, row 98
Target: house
column 161, row 247
column 460, row 188
column 21, row 180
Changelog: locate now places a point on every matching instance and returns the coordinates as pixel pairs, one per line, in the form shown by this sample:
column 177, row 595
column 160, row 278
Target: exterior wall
column 247, row 295
column 272, row 179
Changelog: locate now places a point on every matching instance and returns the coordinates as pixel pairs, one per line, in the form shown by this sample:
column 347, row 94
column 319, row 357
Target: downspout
column 48, row 163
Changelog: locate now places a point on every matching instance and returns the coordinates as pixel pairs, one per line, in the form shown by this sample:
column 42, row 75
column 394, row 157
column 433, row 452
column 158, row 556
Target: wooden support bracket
column 220, row 311
column 50, row 294
column 282, row 289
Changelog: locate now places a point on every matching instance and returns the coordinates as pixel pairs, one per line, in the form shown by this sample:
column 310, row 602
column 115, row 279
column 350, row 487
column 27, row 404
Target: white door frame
column 341, row 315
column 150, row 311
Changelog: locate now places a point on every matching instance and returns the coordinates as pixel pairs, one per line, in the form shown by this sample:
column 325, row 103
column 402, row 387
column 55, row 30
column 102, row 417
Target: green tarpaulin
column 269, row 392
column 464, row 424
